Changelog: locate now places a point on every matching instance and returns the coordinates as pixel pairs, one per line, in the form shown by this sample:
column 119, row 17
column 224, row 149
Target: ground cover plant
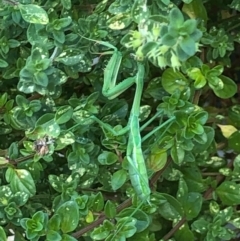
column 119, row 120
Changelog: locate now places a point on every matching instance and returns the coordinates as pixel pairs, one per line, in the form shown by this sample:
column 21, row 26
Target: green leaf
column 118, row 179
column 82, row 201
column 34, row 36
column 21, row 181
column 89, row 217
column 228, row 90
column 234, row 115
column 5, row 128
column 196, row 74
column 173, row 80
column 193, row 178
column 142, row 219
column 235, row 222
column 13, row 43
column 169, row 207
column 196, row 9
column 54, row 222
column 26, row 86
column 200, row 226
column 127, row 227
column 176, row 18
column 59, row 36
column 229, row 193
column 63, row 114
column 169, row 40
column 64, row 139
column 110, row 209
column 157, row 159
column 3, row 236
column 107, row 158
column 144, row 112
column 101, row 6
column 120, row 21
column 53, row 236
column 209, row 131
column 6, row 193
column 188, row 46
column 17, row 17
column 35, row 105
column 9, row 105
column 236, row 165
column 137, row 12
column 49, row 125
column 235, row 5
column 98, row 202
column 66, row 237
column 22, row 101
column 62, row 23
column 189, row 26
column 3, row 161
column 70, row 60
column 69, row 214
column 76, row 159
column 102, row 231
column 184, row 233
column 72, row 57
column 58, row 77
column 225, row 214
column 3, row 63
column 234, row 141
column 33, row 14
column 66, row 4
column 216, row 71
column 3, row 99
column 192, row 204
column 41, row 79
column 56, row 182
column 177, row 154
column 13, row 151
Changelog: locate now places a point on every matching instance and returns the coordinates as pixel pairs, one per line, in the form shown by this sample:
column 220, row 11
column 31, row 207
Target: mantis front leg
column 110, row 89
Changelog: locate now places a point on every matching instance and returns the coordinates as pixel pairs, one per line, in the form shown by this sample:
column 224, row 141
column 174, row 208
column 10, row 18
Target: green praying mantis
column 137, row 168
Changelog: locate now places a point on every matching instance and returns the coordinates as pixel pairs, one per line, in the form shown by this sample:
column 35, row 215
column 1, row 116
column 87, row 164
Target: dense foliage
column 65, row 169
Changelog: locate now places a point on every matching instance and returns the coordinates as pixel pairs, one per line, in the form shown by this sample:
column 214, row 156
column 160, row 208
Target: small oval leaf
column 118, row 179
column 21, row 181
column 32, row 13
column 107, row 158
column 69, row 213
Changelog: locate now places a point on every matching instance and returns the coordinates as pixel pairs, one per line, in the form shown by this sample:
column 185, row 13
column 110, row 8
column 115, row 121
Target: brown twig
column 174, row 229
column 100, row 220
column 219, row 179
column 196, row 97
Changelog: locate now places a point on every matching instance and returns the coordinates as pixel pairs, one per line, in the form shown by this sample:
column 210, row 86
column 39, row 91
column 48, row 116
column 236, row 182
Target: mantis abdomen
column 137, row 167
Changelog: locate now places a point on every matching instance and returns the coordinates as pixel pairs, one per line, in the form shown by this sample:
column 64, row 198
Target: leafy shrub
column 69, row 154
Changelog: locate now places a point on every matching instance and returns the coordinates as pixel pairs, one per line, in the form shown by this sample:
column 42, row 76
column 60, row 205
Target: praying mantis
column 137, row 168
